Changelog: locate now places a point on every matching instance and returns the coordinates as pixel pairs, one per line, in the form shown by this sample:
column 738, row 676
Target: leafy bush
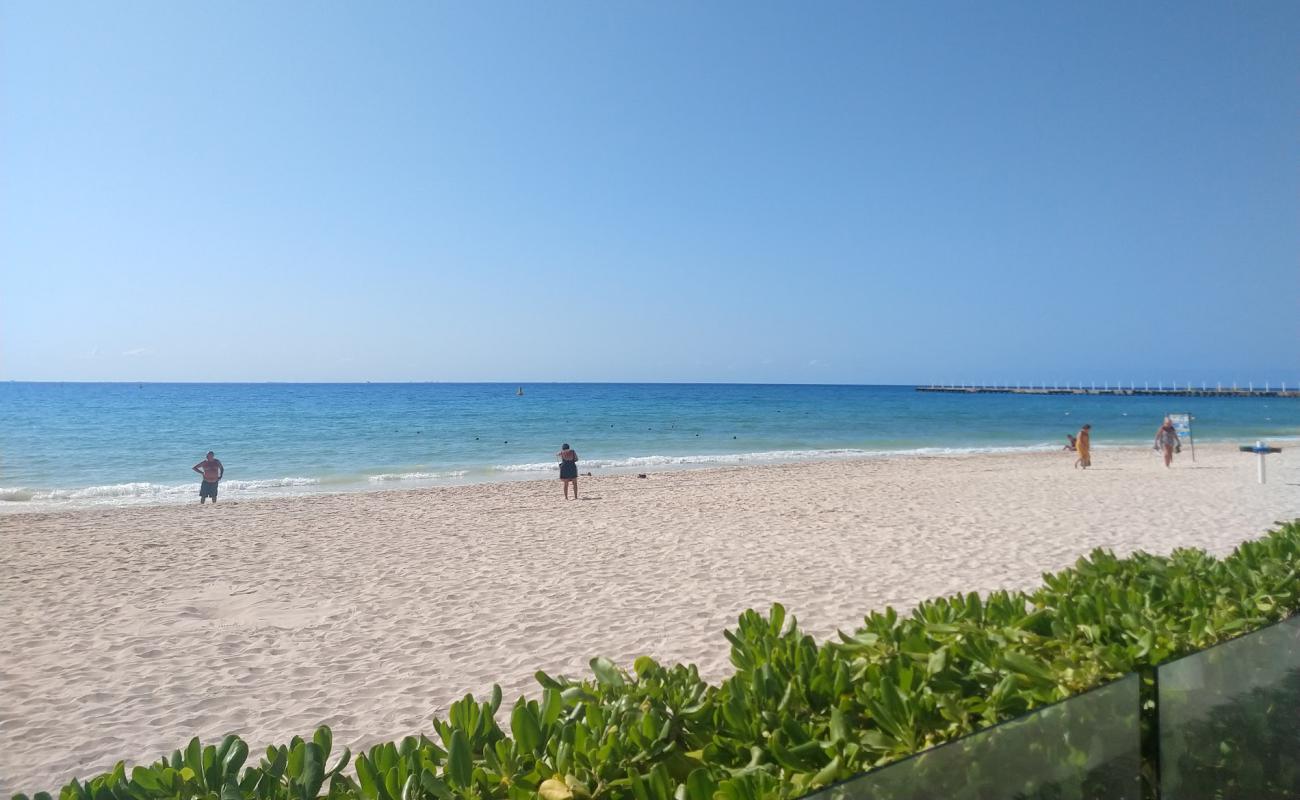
column 795, row 715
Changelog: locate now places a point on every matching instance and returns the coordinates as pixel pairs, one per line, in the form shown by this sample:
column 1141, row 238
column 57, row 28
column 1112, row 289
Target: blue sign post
column 1260, row 449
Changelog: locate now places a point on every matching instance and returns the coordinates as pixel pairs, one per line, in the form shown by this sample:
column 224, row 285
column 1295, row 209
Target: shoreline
column 116, row 496
column 132, row 629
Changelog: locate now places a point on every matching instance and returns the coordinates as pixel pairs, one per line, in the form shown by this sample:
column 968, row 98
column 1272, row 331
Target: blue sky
column 735, row 191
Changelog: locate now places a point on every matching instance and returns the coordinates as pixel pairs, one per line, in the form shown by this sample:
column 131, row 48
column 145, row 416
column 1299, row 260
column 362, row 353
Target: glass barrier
column 1084, row 748
column 1230, row 719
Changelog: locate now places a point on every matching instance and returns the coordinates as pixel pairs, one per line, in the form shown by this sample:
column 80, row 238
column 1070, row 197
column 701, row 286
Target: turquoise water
column 67, row 444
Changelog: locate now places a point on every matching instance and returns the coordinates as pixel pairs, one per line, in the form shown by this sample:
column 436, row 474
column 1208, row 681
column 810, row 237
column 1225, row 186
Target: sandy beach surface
column 125, row 632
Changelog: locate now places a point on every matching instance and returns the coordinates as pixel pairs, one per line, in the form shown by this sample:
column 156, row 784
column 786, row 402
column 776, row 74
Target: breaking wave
column 142, row 492
column 416, row 476
column 15, row 495
column 765, row 457
column 271, row 483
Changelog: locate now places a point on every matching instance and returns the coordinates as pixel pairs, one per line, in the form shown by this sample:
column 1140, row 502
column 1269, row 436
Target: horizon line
column 455, row 382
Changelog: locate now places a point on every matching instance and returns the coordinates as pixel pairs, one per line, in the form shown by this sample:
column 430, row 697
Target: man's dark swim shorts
column 208, row 489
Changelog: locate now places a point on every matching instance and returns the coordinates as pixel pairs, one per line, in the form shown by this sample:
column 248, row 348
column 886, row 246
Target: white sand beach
column 125, row 632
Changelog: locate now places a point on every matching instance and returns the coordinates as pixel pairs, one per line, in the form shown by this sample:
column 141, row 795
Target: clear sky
column 735, row 191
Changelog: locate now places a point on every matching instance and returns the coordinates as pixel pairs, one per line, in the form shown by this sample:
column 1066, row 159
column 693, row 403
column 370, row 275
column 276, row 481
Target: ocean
column 69, row 445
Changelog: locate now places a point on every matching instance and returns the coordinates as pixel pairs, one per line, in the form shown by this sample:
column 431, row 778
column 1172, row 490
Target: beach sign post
column 1260, row 449
column 1183, row 427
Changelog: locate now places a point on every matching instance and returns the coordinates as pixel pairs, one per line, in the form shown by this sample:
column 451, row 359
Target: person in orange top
column 1084, row 447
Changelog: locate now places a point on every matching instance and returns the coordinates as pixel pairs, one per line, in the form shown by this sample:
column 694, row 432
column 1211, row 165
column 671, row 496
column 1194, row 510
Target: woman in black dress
column 568, row 470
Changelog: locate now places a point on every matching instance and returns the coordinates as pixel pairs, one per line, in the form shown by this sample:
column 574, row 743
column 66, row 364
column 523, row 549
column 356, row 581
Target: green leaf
column 194, row 757
column 606, row 673
column 661, row 783
column 459, row 767
column 563, row 752
column 839, row 729
column 639, row 789
column 552, row 705
column 148, row 779
column 344, row 755
column 938, row 661
column 371, row 784
column 842, row 680
column 434, row 785
column 828, row 773
column 313, row 770
column 776, row 619
column 524, row 727
column 700, row 785
column 787, row 758
column 224, row 748
column 235, row 758
column 1027, row 666
column 546, row 681
column 211, row 769
column 393, row 783
column 324, row 739
column 279, row 761
column 294, row 769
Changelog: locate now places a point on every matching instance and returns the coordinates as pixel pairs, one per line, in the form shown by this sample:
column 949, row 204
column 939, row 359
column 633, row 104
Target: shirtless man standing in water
column 212, row 471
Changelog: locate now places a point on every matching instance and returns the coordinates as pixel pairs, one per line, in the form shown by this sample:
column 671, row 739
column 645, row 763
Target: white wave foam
column 416, row 476
column 270, row 483
column 15, row 495
column 764, row 457
column 141, row 492
column 675, row 461
column 112, row 491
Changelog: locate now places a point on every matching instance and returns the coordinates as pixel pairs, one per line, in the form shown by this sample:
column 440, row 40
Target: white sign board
column 1183, row 426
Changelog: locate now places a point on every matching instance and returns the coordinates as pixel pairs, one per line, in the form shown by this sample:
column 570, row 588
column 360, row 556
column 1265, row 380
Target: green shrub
column 795, row 715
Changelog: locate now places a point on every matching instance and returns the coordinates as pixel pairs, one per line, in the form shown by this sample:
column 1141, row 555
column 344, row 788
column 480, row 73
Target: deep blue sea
column 77, row 444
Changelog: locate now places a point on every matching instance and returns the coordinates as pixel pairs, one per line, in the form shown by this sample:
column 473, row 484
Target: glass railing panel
column 1230, row 719
column 1085, row 748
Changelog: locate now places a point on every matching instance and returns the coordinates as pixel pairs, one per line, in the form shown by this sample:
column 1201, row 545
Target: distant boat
column 519, row 392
